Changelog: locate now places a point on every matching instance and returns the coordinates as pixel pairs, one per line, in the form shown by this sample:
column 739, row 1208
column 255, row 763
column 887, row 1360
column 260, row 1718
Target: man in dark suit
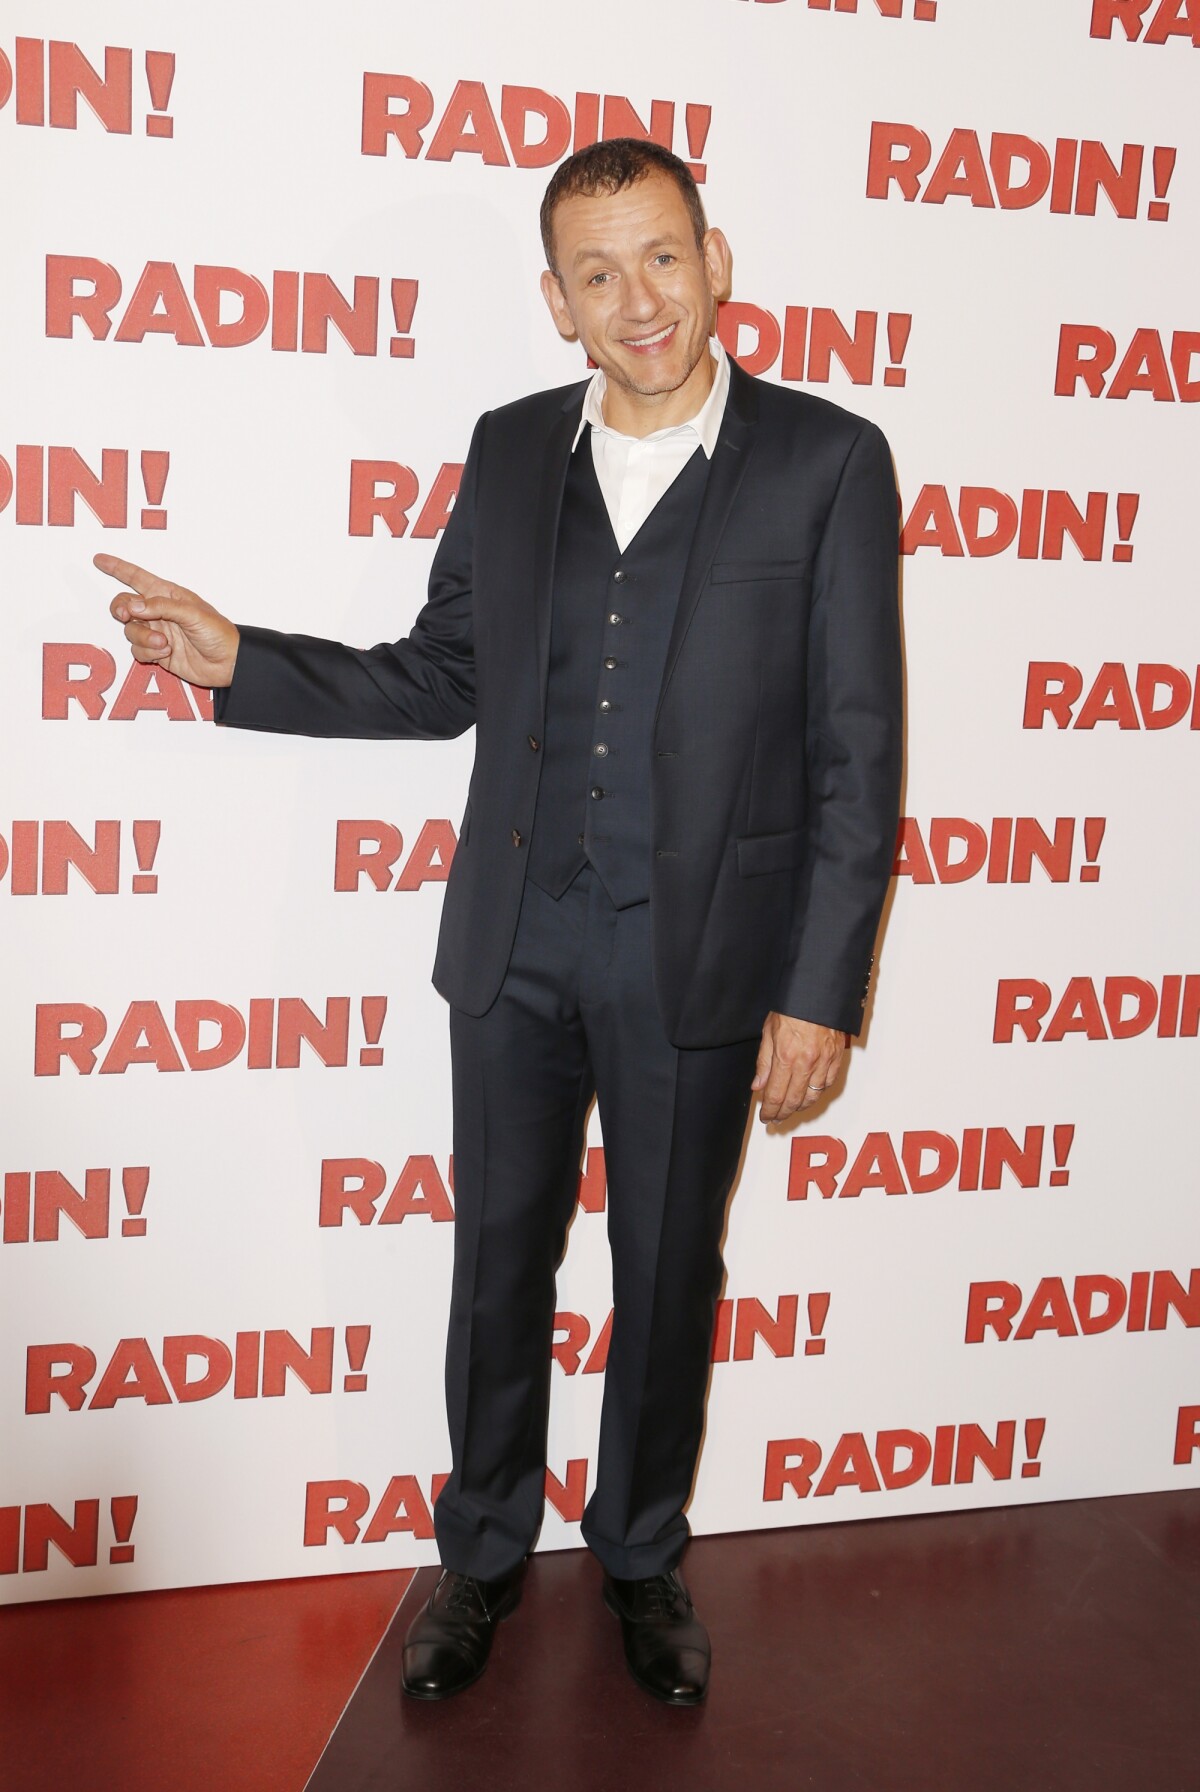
column 666, row 600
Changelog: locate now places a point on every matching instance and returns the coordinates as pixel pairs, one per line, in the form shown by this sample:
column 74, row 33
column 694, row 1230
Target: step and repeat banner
column 259, row 283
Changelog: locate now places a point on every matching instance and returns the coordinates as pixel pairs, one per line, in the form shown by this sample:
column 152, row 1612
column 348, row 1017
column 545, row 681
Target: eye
column 664, row 259
column 599, row 279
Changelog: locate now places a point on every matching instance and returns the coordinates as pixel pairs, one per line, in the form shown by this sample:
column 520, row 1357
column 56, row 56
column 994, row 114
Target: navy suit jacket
column 776, row 753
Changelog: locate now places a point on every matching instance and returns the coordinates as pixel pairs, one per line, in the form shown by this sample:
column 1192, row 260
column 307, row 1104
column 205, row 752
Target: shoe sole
column 505, row 1609
column 664, row 1698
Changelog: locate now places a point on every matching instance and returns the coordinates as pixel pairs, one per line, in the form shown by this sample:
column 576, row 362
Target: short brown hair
column 608, row 168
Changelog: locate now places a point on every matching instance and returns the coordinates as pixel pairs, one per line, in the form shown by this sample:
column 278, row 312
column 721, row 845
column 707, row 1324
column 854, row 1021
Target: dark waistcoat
column 610, row 627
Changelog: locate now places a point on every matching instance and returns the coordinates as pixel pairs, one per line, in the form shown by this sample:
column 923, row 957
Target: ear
column 718, row 259
column 556, row 300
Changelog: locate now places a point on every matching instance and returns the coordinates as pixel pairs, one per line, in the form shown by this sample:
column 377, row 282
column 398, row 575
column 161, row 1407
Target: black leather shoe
column 666, row 1645
column 450, row 1638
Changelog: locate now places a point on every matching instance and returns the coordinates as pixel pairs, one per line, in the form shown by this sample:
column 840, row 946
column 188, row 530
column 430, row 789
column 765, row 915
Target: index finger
column 147, row 584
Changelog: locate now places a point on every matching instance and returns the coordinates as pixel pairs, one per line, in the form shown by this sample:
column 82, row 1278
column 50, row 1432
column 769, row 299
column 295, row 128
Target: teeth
column 645, row 341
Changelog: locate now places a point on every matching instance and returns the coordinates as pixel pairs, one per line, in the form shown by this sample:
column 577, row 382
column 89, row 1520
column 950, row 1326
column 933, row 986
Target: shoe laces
column 663, row 1593
column 465, row 1595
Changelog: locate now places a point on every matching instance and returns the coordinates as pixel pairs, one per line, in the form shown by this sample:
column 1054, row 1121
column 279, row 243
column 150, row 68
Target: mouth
column 646, row 345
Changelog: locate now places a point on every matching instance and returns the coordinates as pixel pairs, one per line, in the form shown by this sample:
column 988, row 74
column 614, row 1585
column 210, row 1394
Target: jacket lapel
column 730, row 459
column 556, row 458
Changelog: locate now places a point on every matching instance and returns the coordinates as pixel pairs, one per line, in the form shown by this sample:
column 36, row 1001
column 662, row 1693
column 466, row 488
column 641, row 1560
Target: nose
column 639, row 300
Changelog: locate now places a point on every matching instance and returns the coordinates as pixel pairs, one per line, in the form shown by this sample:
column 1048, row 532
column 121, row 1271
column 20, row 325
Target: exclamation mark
column 1093, row 834
column 1159, row 209
column 899, row 324
column 160, row 74
column 156, row 464
column 357, row 1339
column 135, row 1184
column 1127, row 509
column 146, row 835
column 696, row 120
column 818, row 1312
column 1064, row 1138
column 404, row 304
column 374, row 1010
column 124, row 1511
column 1035, row 1431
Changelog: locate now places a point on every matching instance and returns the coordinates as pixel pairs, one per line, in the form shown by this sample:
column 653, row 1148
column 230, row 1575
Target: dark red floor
column 1049, row 1648
column 211, row 1689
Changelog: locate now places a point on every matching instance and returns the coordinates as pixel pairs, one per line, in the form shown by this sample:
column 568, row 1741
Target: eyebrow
column 597, row 252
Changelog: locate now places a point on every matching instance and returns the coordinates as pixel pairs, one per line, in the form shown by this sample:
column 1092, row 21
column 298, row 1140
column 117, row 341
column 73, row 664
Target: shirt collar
column 705, row 425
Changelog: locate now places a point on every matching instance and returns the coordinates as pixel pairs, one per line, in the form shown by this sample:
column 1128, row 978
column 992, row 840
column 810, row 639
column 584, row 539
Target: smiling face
column 638, row 291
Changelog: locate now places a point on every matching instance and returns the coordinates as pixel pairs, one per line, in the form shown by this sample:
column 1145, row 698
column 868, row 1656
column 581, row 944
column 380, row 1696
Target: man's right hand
column 168, row 625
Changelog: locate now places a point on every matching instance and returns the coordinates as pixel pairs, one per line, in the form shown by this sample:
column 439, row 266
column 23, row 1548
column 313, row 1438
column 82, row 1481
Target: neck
column 641, row 413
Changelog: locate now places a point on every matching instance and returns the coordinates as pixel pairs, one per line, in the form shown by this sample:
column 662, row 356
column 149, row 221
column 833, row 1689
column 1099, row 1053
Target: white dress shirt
column 635, row 471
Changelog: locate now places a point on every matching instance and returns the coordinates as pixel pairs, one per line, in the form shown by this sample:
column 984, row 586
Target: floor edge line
column 367, row 1665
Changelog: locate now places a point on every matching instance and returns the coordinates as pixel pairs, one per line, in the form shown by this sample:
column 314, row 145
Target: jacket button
column 620, row 576
column 610, row 665
column 516, row 838
column 605, row 706
column 535, row 744
column 600, row 750
column 614, row 616
column 597, row 793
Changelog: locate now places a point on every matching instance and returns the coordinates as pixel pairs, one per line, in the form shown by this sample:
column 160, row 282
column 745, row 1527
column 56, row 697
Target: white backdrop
column 899, row 1337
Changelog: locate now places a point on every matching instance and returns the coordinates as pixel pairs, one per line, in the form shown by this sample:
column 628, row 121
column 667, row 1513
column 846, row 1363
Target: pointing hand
column 167, row 625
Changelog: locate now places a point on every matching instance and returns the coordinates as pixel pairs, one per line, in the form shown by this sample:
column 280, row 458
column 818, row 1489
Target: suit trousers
column 577, row 1016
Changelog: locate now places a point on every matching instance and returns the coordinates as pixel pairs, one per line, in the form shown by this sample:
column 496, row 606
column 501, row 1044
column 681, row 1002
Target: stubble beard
column 646, row 389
